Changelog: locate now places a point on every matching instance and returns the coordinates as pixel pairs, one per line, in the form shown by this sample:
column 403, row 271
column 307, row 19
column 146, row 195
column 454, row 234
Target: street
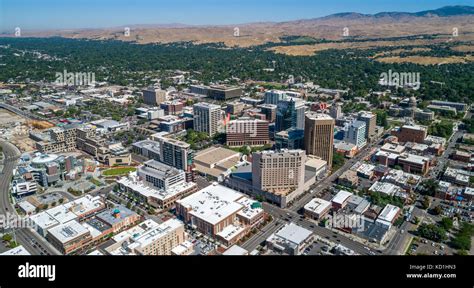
column 26, row 237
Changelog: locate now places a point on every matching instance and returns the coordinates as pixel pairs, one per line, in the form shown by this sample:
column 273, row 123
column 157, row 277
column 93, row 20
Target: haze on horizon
column 57, row 14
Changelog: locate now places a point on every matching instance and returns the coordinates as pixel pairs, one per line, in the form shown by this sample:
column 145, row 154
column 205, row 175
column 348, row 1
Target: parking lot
column 202, row 244
column 317, row 248
column 427, row 247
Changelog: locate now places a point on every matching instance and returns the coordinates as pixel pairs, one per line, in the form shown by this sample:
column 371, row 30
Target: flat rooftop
column 230, row 231
column 341, row 196
column 157, row 232
column 293, row 233
column 317, row 205
column 318, row 116
column 213, row 155
column 213, row 203
column 68, row 231
column 147, row 191
column 206, row 105
column 159, row 169
column 17, row 251
column 235, row 250
column 251, row 208
column 389, row 213
column 115, row 215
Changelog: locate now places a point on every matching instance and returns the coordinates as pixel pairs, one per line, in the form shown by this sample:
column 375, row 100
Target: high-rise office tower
column 356, row 134
column 274, row 96
column 336, row 111
column 370, row 120
column 206, row 118
column 319, row 135
column 290, row 114
column 154, row 97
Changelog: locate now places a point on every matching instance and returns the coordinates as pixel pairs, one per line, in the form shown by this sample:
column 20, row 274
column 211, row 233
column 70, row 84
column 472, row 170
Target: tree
column 425, row 204
column 245, row 150
column 337, row 161
column 382, row 118
column 432, row 232
column 7, row 237
column 416, row 220
column 437, row 210
column 429, row 187
column 441, row 129
column 447, row 223
column 462, row 239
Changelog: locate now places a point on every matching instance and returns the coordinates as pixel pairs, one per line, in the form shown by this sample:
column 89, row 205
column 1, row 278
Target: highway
column 32, row 242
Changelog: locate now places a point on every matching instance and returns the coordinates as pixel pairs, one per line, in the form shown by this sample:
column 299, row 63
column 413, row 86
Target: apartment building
column 206, row 118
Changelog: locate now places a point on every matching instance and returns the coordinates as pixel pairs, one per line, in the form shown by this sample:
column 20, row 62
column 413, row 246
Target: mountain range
column 380, row 25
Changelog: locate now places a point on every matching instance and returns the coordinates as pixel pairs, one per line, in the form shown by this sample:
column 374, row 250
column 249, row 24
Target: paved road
column 443, row 159
column 21, row 112
column 401, row 240
column 11, row 157
column 279, row 214
column 32, row 242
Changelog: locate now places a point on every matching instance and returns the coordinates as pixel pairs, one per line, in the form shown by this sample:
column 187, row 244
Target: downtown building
column 289, row 124
column 290, row 114
column 274, row 96
column 172, row 107
column 356, row 134
column 269, row 110
column 278, row 172
column 149, row 238
column 206, row 118
column 336, row 111
column 410, row 133
column 153, row 97
column 217, row 92
column 169, row 151
column 63, row 139
column 251, row 132
column 277, row 176
column 319, row 136
column 221, row 213
column 370, row 120
column 157, row 184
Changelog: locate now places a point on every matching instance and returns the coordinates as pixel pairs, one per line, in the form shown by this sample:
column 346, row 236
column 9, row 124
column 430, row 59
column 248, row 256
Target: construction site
column 15, row 129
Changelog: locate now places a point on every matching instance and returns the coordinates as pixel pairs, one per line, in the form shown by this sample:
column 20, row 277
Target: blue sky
column 64, row 14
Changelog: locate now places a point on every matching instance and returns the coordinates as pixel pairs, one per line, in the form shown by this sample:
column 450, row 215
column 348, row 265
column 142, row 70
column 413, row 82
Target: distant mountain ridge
column 447, row 11
column 379, row 25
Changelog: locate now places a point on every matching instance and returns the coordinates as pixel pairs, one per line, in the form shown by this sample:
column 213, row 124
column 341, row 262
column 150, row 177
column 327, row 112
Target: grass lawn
column 118, row 171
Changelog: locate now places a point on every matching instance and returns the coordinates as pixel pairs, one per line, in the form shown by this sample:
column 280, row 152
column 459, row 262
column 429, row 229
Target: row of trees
column 123, row 62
